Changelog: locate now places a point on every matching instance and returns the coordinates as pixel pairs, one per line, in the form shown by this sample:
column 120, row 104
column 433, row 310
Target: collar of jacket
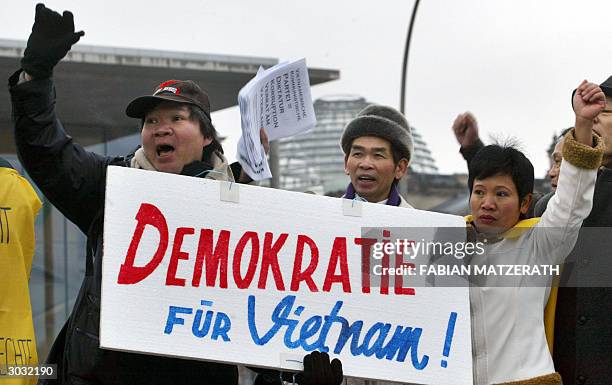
column 393, row 199
column 516, row 231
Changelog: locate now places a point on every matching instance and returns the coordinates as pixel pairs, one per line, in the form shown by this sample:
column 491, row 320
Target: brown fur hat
column 383, row 122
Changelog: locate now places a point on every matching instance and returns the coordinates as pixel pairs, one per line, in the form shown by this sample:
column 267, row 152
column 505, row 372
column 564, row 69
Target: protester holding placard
column 377, row 147
column 507, row 322
column 177, row 137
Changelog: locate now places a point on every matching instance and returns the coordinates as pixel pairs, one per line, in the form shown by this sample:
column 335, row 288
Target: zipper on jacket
column 90, row 335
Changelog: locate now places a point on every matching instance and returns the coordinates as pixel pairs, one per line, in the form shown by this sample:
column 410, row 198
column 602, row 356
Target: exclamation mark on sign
column 449, row 337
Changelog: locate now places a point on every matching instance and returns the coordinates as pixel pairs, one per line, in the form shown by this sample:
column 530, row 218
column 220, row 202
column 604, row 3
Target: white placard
column 265, row 280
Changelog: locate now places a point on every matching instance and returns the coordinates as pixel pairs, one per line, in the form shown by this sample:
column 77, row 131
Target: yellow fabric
column 516, row 231
column 549, row 311
column 549, row 316
column 19, row 205
column 581, row 155
column 520, row 227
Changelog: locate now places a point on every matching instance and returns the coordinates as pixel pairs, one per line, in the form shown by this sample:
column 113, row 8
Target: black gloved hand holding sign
column 317, row 371
column 51, row 38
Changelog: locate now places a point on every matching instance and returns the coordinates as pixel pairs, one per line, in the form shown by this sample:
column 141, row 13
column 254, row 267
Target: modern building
column 314, row 160
column 93, row 86
column 422, row 162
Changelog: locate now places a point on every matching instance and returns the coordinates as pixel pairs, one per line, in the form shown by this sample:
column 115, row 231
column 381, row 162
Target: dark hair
column 206, row 127
column 397, row 154
column 556, row 139
column 506, row 160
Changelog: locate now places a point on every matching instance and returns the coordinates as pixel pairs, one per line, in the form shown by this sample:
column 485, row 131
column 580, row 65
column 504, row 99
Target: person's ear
column 401, row 168
column 526, row 203
column 346, row 171
column 207, row 141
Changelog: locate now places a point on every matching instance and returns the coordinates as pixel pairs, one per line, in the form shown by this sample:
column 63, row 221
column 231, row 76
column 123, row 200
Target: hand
column 465, row 128
column 51, row 38
column 319, row 371
column 263, row 137
column 588, row 100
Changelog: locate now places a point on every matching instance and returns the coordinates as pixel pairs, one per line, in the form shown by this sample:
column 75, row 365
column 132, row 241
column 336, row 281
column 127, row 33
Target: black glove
column 51, row 38
column 319, row 371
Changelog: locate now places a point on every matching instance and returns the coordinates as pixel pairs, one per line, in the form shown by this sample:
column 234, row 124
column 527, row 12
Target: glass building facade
column 422, row 162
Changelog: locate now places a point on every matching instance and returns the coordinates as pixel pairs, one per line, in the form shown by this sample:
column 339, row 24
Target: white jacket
column 508, row 340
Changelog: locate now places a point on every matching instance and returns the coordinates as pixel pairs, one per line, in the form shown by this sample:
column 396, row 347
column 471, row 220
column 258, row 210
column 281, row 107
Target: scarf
column 514, row 232
column 219, row 170
column 393, row 199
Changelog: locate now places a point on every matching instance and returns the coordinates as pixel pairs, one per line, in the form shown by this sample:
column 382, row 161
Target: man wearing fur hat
column 377, row 147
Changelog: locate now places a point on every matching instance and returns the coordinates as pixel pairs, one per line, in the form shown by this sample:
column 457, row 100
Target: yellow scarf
column 516, row 231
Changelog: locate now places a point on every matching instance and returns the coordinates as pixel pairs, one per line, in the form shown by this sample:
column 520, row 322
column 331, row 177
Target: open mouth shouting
column 164, row 150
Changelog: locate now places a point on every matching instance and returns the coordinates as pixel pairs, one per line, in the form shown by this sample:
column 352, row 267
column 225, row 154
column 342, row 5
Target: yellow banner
column 19, row 205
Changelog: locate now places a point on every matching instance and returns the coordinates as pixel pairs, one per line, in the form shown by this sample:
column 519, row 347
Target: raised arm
column 573, row 200
column 70, row 177
column 588, row 101
column 52, row 37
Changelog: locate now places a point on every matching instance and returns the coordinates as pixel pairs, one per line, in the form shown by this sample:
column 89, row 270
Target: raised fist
column 588, row 100
column 51, row 38
column 465, row 128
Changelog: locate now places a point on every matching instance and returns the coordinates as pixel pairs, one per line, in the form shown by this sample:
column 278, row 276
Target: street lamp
column 406, row 50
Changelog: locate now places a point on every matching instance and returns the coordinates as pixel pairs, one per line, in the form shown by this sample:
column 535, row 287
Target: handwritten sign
column 235, row 273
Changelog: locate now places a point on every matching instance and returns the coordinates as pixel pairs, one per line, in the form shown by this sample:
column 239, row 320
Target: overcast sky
column 512, row 63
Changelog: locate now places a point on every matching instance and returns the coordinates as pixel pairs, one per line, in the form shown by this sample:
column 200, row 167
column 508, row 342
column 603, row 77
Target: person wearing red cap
column 177, row 132
column 177, row 137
